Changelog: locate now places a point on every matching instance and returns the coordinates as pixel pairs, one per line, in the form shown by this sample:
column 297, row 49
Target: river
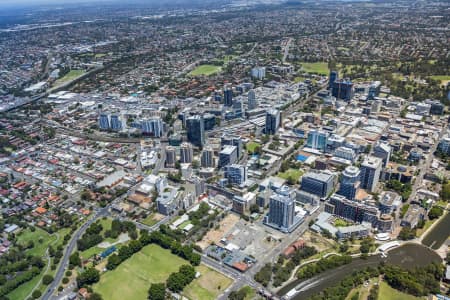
column 438, row 234
column 408, row 255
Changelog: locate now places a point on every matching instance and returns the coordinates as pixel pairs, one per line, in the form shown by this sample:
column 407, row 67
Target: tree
column 435, row 212
column 95, row 296
column 75, row 259
column 157, row 291
column 175, row 282
column 113, row 261
column 36, row 294
column 90, row 276
column 47, row 279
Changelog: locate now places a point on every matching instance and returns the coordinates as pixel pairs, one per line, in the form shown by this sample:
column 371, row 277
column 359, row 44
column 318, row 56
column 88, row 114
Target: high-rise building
column 345, row 153
column 273, row 120
column 228, row 96
column 374, row 90
column 370, row 173
column 349, row 182
column 318, row 183
column 236, row 174
column 252, row 102
column 103, row 122
column 383, row 151
column 282, row 211
column 232, row 140
column 171, row 156
column 195, row 130
column 437, row 108
column 342, row 89
column 258, row 73
column 444, row 144
column 228, row 156
column 317, row 140
column 238, row 109
column 116, row 123
column 209, row 120
column 207, row 158
column 333, row 77
column 186, row 153
column 153, row 127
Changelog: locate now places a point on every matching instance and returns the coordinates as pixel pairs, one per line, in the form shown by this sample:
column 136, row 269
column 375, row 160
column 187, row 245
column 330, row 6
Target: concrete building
column 282, row 211
column 115, row 123
column 345, row 153
column 232, row 140
column 258, row 73
column 186, row 153
column 252, row 102
column 153, row 127
column 273, row 119
column 383, row 151
column 349, row 182
column 241, row 204
column 171, row 157
column 103, row 122
column 228, row 156
column 370, row 173
column 207, row 158
column 236, row 174
column 318, row 183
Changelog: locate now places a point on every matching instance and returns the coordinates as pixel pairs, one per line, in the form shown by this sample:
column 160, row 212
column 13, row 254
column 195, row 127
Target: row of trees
column 175, row 283
column 322, row 265
column 13, row 283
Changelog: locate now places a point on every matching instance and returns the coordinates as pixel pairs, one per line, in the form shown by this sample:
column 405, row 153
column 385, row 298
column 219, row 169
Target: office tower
column 318, row 183
column 209, row 121
column 171, row 156
column 103, row 121
column 349, row 182
column 238, row 109
column 116, row 123
column 333, row 77
column 228, row 96
column 252, row 102
column 236, row 174
column 437, row 108
column 207, row 159
column 195, row 130
column 186, row 153
column 444, row 144
column 232, row 140
column 258, row 73
column 345, row 153
column 355, row 211
column 383, row 151
column 273, row 120
column 342, row 89
column 282, row 211
column 228, row 156
column 317, row 140
column 370, row 173
column 217, row 96
column 374, row 90
column 200, row 186
column 153, row 127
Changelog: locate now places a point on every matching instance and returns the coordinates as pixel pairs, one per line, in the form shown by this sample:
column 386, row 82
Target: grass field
column 209, row 285
column 39, row 234
column 252, row 146
column 388, row 293
column 318, row 67
column 132, row 279
column 295, row 174
column 150, row 220
column 69, row 76
column 205, row 70
column 445, row 79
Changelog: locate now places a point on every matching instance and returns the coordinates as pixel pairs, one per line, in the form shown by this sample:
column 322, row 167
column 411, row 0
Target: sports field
column 132, row 278
column 69, row 76
column 317, row 67
column 388, row 293
column 209, row 285
column 205, row 70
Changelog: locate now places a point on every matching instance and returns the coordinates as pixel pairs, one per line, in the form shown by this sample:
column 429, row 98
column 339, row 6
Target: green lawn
column 317, row 67
column 184, row 224
column 443, row 78
column 341, row 223
column 293, row 173
column 69, row 76
column 38, row 235
column 25, row 289
column 88, row 253
column 388, row 293
column 209, row 285
column 205, row 70
column 150, row 220
column 132, row 278
column 251, row 146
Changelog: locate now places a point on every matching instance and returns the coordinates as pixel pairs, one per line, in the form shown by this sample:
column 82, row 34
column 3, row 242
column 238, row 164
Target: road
column 286, row 50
